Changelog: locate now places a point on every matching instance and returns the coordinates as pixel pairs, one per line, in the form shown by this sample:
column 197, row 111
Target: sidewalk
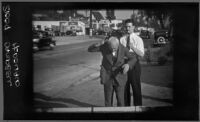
column 91, row 92
column 88, row 92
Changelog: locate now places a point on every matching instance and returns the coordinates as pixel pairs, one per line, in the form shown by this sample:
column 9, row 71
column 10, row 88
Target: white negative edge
column 65, row 110
column 120, row 109
column 95, row 109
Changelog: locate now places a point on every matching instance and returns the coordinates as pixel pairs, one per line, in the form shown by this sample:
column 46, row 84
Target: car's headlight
column 35, row 40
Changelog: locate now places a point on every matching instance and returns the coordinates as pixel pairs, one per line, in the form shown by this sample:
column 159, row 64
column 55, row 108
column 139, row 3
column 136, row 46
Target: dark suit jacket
column 113, row 70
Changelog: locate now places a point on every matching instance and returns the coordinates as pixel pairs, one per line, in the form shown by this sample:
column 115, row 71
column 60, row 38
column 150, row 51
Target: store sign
column 73, row 23
column 74, row 19
column 63, row 23
column 104, row 22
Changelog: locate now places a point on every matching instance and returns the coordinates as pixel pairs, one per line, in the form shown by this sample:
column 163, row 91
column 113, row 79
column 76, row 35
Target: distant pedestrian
column 114, row 70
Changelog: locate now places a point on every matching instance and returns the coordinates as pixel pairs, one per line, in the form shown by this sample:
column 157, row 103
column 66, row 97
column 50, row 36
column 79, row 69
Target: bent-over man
column 114, row 70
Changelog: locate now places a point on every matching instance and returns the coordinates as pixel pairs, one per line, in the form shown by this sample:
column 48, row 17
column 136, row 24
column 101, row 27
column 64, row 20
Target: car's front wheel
column 51, row 46
column 35, row 48
column 161, row 40
column 148, row 37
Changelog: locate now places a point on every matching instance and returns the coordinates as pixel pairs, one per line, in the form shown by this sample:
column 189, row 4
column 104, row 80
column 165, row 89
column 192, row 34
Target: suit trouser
column 109, row 89
column 134, row 80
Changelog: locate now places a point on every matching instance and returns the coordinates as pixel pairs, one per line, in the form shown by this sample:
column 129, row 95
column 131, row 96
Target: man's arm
column 131, row 58
column 139, row 48
column 123, row 41
column 97, row 46
column 138, row 52
column 131, row 61
column 94, row 47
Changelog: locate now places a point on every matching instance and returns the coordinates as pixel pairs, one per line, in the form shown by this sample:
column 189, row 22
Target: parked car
column 99, row 32
column 117, row 33
column 161, row 37
column 69, row 32
column 145, row 34
column 137, row 32
column 42, row 39
column 95, row 32
column 74, row 33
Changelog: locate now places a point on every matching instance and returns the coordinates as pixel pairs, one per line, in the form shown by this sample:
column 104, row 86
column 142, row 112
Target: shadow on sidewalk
column 44, row 101
column 158, row 99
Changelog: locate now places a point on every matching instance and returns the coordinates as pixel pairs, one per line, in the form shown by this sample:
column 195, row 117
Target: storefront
column 77, row 26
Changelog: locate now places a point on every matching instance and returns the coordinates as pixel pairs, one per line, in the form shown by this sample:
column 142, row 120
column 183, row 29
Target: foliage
column 56, row 15
column 162, row 60
column 147, row 55
column 110, row 15
column 161, row 55
column 158, row 19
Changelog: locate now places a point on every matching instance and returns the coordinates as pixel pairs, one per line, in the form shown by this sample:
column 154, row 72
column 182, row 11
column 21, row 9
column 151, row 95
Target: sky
column 120, row 14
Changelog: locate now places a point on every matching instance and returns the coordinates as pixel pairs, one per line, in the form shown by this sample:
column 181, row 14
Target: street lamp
column 90, row 23
column 60, row 12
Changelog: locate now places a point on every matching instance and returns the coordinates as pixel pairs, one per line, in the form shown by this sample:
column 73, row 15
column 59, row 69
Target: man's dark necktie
column 128, row 42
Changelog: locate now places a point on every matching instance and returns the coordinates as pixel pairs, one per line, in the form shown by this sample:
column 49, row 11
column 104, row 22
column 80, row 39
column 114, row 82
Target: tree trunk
column 161, row 23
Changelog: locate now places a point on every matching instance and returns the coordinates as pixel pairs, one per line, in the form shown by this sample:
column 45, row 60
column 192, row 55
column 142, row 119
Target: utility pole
column 90, row 23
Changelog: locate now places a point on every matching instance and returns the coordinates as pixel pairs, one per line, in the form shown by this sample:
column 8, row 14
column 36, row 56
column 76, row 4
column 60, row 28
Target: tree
column 154, row 18
column 165, row 17
column 110, row 15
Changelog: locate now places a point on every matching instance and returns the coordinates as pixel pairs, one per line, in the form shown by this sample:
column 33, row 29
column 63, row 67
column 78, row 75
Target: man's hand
column 125, row 68
column 138, row 51
column 132, row 46
column 94, row 47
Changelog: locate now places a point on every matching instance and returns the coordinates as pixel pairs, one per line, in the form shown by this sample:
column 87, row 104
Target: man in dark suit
column 114, row 69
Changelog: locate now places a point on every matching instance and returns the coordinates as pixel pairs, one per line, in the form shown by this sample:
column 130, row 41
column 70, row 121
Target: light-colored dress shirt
column 135, row 40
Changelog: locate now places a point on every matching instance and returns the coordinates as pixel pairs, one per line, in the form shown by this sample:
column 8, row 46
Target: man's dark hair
column 129, row 21
column 116, row 33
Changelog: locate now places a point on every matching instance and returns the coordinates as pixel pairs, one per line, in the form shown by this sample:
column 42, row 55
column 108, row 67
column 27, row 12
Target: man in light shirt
column 135, row 46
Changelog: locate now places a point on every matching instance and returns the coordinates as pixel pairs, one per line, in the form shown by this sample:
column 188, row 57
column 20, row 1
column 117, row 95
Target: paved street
column 68, row 76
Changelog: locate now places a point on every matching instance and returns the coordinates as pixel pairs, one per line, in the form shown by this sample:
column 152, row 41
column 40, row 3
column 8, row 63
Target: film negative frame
column 18, row 64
